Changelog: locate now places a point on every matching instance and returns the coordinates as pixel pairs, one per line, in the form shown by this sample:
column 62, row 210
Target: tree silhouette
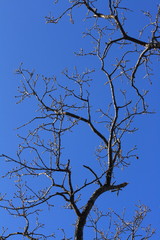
column 71, row 106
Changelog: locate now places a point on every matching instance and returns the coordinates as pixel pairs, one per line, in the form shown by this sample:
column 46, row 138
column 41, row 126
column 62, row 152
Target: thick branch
column 82, row 219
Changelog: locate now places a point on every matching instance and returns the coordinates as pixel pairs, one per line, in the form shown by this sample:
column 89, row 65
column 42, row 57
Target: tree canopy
column 70, row 175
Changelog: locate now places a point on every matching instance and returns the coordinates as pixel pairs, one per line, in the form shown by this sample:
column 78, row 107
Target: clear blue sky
column 47, row 48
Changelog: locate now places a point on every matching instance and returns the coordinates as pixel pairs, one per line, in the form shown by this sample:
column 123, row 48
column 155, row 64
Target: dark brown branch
column 81, row 119
column 96, row 14
column 97, row 178
column 82, row 219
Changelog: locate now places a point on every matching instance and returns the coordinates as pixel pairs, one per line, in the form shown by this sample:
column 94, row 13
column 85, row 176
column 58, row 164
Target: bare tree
column 66, row 107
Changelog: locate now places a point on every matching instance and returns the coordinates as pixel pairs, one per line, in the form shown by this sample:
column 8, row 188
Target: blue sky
column 47, row 48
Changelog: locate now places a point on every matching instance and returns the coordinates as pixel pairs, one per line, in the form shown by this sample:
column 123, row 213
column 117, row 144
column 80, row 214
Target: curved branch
column 82, row 219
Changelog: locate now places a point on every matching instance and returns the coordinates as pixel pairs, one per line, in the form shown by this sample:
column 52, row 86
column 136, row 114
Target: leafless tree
column 66, row 107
